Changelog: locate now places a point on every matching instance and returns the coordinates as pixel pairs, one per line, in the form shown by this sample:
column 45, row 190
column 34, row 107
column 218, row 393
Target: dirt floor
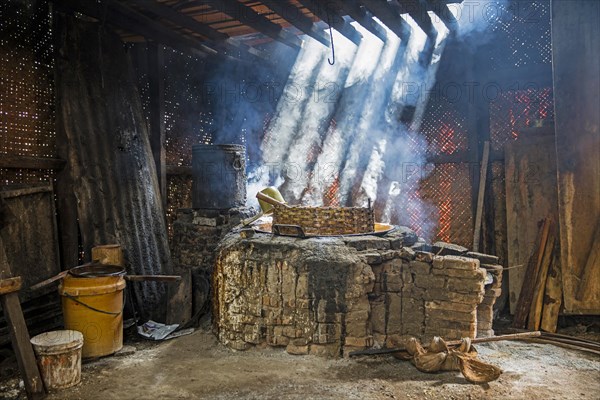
column 198, row 367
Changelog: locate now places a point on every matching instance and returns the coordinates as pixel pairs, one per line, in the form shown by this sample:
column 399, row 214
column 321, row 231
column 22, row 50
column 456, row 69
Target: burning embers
column 329, row 296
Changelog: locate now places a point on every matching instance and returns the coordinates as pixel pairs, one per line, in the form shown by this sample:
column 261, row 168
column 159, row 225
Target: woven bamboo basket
column 326, row 220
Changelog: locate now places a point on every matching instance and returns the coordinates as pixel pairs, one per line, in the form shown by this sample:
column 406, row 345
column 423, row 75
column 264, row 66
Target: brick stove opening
column 330, row 296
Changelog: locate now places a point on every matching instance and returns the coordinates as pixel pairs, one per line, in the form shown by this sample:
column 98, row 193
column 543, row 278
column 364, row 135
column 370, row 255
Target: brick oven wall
column 196, row 234
column 331, row 296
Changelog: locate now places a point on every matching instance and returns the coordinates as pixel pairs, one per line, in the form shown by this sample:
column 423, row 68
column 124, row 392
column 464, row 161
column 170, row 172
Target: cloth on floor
column 439, row 357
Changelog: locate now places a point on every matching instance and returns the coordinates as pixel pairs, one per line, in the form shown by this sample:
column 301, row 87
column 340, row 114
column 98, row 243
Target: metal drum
column 219, row 176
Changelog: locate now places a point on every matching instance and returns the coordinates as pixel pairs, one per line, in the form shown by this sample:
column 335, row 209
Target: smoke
column 349, row 130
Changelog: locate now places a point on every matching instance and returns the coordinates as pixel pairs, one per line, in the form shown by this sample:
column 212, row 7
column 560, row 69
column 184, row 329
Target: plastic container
column 58, row 356
column 92, row 302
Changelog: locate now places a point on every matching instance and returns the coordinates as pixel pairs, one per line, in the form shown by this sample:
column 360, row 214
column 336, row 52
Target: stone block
column 362, row 243
column 444, row 249
column 458, row 262
column 406, row 253
column 460, row 273
column 483, row 258
column 448, row 306
column 372, row 258
column 419, row 267
column 454, row 316
column 465, row 285
column 424, row 256
column 297, row 350
column 366, row 341
column 430, row 281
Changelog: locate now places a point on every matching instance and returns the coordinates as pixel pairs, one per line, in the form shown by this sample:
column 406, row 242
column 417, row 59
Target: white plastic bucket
column 58, row 356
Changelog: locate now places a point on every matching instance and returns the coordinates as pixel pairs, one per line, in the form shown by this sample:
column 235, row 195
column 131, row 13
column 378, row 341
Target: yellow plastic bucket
column 93, row 305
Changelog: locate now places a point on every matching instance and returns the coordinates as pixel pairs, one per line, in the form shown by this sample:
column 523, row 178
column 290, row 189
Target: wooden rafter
column 248, row 16
column 130, row 20
column 440, row 8
column 417, row 9
column 299, row 20
column 216, row 40
column 361, row 15
column 330, row 14
column 389, row 16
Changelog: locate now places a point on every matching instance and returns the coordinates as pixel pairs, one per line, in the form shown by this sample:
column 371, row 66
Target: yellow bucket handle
column 68, row 296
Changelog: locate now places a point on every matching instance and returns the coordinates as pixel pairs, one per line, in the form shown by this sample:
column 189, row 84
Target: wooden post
column 157, row 115
column 481, row 192
column 19, row 336
column 68, row 231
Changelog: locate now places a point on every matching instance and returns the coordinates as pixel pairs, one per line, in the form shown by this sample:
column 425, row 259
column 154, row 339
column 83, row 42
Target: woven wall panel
column 447, row 190
column 523, row 28
column 513, row 111
column 26, row 81
column 444, row 127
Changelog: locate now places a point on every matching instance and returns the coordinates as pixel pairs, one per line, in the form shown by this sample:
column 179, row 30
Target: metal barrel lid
column 97, row 270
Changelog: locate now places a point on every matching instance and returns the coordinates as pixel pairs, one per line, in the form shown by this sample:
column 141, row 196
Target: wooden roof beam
column 248, row 16
column 387, row 14
column 361, row 15
column 298, row 19
column 327, row 12
column 441, row 9
column 417, row 9
column 217, row 40
column 125, row 18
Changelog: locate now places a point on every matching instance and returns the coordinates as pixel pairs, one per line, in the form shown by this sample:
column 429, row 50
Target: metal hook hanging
column 330, row 61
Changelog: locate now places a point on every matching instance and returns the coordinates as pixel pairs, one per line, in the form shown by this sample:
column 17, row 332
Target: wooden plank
column 537, row 304
column 591, row 271
column 66, row 203
column 10, row 285
column 576, row 66
column 27, row 162
column 480, row 195
column 552, row 297
column 30, row 235
column 533, row 266
column 531, row 195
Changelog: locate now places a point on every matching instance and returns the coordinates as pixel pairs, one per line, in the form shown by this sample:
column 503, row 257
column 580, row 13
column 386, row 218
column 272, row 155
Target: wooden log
column 552, row 298
column 535, row 311
column 111, row 254
column 533, row 267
